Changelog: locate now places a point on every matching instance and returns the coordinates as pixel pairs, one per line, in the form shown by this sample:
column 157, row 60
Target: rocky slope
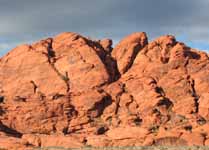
column 71, row 91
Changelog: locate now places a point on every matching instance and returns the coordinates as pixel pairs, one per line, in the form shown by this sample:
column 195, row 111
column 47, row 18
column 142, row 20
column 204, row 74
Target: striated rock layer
column 71, row 91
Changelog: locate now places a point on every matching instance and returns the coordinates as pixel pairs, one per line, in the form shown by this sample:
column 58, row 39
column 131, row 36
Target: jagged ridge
column 77, row 92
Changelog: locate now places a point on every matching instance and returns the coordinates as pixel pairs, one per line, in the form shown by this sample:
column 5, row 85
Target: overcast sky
column 25, row 21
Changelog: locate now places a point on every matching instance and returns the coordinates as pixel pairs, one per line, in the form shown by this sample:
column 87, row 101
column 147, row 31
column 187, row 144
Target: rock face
column 71, row 91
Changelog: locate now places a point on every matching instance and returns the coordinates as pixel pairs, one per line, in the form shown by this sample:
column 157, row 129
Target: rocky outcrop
column 125, row 51
column 71, row 91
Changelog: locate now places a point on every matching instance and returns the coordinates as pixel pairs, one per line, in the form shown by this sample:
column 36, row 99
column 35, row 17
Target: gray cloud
column 26, row 20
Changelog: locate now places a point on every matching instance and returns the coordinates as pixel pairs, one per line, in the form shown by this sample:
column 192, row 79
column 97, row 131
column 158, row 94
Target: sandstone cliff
column 71, row 91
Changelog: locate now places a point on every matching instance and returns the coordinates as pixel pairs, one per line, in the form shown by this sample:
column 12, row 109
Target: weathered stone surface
column 72, row 91
column 13, row 143
column 193, row 138
column 170, row 141
column 127, row 132
column 106, row 44
column 52, row 140
column 126, row 51
column 204, row 105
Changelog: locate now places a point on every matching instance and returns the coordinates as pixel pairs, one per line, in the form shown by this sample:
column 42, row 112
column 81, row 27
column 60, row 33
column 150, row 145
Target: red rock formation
column 71, row 91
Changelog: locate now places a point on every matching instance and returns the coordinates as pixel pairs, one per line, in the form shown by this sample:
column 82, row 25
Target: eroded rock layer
column 71, row 91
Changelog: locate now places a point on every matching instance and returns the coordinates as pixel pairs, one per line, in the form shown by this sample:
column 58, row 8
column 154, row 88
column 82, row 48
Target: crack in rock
column 51, row 60
column 35, row 87
column 122, row 86
column 195, row 95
